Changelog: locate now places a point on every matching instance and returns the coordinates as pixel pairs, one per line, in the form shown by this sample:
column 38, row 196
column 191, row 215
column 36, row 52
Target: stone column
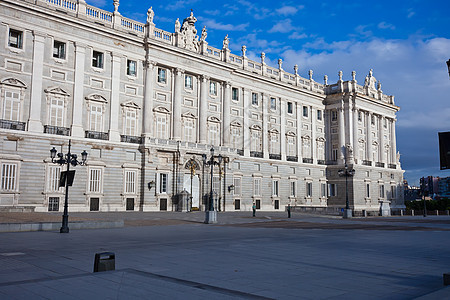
column 148, row 99
column 341, row 125
column 34, row 121
column 203, row 109
column 393, row 143
column 77, row 111
column 114, row 134
column 177, row 104
column 355, row 136
column 282, row 137
column 246, row 122
column 313, row 134
column 299, row 116
column 265, row 126
column 381, row 141
column 328, row 142
column 369, row 136
column 226, row 114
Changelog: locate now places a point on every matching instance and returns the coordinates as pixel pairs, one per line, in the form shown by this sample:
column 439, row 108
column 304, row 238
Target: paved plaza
column 176, row 256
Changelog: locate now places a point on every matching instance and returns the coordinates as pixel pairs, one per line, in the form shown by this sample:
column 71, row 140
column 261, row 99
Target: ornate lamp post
column 346, row 173
column 211, row 213
column 192, row 165
column 67, row 159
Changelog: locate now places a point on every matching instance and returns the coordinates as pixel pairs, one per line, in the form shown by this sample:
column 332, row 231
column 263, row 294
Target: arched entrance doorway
column 192, row 183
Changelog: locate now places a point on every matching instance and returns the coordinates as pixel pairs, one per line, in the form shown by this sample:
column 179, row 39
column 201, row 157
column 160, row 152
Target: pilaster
column 114, row 134
column 148, row 99
column 203, row 109
column 34, row 122
column 177, row 104
column 226, row 114
column 78, row 97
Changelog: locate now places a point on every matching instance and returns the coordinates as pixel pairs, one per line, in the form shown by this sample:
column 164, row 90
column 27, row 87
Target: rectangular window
column 11, row 109
column 234, row 94
column 273, row 103
column 275, row 190
column 95, row 180
column 53, row 204
column 319, row 115
column 292, row 149
column 57, row 112
column 293, row 189
column 290, row 107
column 333, row 115
column 257, row 186
column 237, row 186
column 161, row 127
column 130, row 182
column 323, row 190
column 189, row 130
column 214, row 134
column 381, row 191
column 254, row 99
column 309, row 189
column 213, row 88
column 393, row 192
column 334, row 154
column 305, row 111
column 59, row 50
column 367, row 190
column 163, row 183
column 96, row 118
column 131, row 68
column 235, row 137
column 332, row 191
column 188, row 82
column 15, row 39
column 97, row 59
column 256, row 141
column 54, row 173
column 237, row 204
column 162, row 75
column 9, row 176
column 130, row 123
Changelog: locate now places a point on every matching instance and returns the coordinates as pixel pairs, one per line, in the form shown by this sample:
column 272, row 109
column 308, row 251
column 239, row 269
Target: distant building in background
column 430, row 185
column 411, row 193
column 444, row 187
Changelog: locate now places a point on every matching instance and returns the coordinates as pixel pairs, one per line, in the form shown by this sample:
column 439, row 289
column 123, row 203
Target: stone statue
column 340, row 75
column 354, row 75
column 370, row 81
column 177, row 25
column 296, row 69
column 225, row 42
column 280, row 64
column 263, row 57
column 310, row 73
column 204, row 34
column 244, row 49
column 349, row 151
column 150, row 15
column 325, row 79
column 116, row 6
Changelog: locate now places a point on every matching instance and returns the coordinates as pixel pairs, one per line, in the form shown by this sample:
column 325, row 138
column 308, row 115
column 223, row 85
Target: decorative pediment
column 130, row 104
column 375, row 143
column 321, row 139
column 235, row 124
column 291, row 133
column 189, row 115
column 213, row 119
column 161, row 109
column 274, row 131
column 96, row 97
column 306, row 137
column 57, row 90
column 361, row 141
column 255, row 127
column 14, row 82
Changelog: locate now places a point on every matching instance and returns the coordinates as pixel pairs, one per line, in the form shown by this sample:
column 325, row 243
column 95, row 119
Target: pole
column 65, row 217
column 191, row 186
column 224, row 182
column 211, row 201
column 347, row 205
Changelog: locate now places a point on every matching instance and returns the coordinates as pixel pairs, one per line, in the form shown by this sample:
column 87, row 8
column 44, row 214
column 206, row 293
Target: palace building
column 146, row 104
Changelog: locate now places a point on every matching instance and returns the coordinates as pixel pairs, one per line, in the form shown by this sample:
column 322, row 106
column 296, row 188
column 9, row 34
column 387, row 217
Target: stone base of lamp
column 348, row 214
column 211, row 217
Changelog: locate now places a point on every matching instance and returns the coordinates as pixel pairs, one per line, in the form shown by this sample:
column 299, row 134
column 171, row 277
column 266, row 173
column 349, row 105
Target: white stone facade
column 143, row 102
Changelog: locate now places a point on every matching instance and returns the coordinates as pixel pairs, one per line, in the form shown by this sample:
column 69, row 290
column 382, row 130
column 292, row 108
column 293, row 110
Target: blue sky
column 406, row 43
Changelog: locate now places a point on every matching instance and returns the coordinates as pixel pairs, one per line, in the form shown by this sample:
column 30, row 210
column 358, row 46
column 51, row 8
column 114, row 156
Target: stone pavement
column 176, row 256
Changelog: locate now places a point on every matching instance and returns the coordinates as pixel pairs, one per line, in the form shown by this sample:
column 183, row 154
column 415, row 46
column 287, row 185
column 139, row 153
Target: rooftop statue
column 189, row 39
column 370, row 81
column 150, row 15
column 226, row 41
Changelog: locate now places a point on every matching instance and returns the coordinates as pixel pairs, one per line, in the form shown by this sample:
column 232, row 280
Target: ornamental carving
column 188, row 34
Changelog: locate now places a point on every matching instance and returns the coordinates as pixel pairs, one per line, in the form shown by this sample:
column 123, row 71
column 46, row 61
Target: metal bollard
column 104, row 261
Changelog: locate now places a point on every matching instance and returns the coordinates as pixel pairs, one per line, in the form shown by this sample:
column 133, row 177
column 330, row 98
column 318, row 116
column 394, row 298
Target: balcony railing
column 275, row 156
column 320, row 161
column 15, row 125
column 292, row 158
column 307, row 160
column 392, row 166
column 240, row 152
column 56, row 130
column 256, row 154
column 131, row 139
column 366, row 162
column 97, row 135
column 379, row 164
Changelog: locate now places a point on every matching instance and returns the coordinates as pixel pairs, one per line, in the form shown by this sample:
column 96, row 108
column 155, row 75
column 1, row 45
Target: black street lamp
column 69, row 159
column 211, row 213
column 346, row 173
column 192, row 165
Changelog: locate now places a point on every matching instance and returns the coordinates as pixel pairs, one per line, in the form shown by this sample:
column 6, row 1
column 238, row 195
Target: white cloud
column 411, row 13
column 361, row 30
column 212, row 12
column 213, row 24
column 384, row 25
column 288, row 10
column 297, row 36
column 283, row 26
